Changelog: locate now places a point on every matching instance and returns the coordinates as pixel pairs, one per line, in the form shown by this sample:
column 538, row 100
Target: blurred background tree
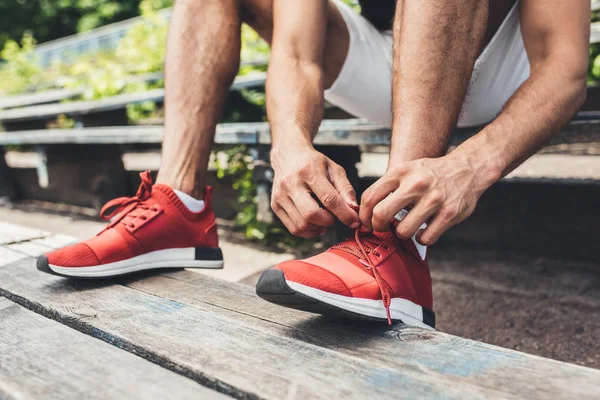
column 53, row 19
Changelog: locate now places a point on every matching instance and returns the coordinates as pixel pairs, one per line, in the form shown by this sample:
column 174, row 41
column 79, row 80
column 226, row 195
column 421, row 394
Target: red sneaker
column 153, row 229
column 372, row 275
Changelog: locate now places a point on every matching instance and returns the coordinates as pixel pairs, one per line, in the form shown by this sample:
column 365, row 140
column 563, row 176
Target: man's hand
column 302, row 173
column 442, row 192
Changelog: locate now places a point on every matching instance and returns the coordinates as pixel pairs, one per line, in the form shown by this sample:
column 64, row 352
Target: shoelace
column 362, row 247
column 127, row 205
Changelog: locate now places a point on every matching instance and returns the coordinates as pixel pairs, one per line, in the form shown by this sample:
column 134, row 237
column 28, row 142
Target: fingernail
column 355, row 225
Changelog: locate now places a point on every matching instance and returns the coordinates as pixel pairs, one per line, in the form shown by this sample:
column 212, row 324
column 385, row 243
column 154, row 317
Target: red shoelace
column 127, row 205
column 362, row 246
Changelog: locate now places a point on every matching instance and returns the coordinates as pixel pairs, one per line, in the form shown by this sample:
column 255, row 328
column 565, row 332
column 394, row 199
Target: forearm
column 436, row 44
column 294, row 101
column 535, row 113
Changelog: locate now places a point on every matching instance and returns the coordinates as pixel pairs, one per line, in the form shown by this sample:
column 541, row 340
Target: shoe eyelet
column 132, row 226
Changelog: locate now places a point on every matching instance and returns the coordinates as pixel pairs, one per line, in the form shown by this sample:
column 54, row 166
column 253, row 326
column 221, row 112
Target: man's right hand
column 302, row 173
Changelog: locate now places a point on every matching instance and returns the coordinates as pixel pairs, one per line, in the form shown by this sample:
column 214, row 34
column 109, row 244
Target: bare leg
column 201, row 62
column 436, row 44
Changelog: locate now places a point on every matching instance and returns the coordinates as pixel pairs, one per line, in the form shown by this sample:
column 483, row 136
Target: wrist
column 485, row 163
column 281, row 151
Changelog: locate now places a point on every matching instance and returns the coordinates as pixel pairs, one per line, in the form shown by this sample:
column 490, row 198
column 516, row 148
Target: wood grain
column 466, row 361
column 238, row 354
column 8, row 256
column 41, row 358
column 222, row 335
column 11, row 233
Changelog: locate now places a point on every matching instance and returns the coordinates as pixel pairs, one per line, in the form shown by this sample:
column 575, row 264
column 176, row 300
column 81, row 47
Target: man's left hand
column 442, row 192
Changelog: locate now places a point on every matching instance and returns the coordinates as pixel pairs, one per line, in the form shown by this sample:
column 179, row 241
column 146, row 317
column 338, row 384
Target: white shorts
column 363, row 87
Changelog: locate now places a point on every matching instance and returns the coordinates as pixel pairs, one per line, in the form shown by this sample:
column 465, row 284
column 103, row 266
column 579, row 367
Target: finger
column 385, row 211
column 310, row 212
column 416, row 218
column 342, row 185
column 303, row 228
column 334, row 202
column 291, row 226
column 372, row 196
column 434, row 230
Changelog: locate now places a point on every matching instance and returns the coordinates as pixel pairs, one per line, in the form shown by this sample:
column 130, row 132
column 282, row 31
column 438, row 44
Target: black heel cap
column 209, row 253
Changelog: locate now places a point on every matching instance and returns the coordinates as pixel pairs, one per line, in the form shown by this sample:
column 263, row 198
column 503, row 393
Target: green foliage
column 594, row 67
column 20, row 70
column 236, row 163
column 53, row 19
column 143, row 47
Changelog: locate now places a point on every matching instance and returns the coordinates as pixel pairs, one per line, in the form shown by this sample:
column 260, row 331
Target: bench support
column 9, row 189
column 262, row 175
column 83, row 175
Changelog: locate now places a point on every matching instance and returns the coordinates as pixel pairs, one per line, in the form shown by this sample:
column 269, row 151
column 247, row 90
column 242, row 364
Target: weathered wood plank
column 226, row 134
column 48, row 96
column 29, row 248
column 107, row 104
column 350, row 132
column 489, row 366
column 8, row 256
column 44, row 359
column 218, row 347
column 55, row 241
column 11, row 233
column 223, row 334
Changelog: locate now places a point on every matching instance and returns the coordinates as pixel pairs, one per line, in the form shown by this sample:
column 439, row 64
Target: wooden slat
column 48, row 96
column 107, row 104
column 80, row 107
column 237, row 353
column 44, row 359
column 246, row 133
column 348, row 132
column 11, row 233
column 8, row 256
column 224, row 334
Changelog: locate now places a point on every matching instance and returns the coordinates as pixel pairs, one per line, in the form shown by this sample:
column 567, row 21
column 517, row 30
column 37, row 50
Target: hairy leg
column 202, row 59
column 203, row 55
column 436, row 44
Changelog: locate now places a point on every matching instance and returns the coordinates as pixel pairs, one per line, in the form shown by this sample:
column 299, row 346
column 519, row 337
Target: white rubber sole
column 168, row 258
column 400, row 309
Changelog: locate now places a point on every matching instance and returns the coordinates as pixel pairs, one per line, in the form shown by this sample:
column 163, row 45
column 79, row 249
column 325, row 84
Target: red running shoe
column 372, row 275
column 153, row 229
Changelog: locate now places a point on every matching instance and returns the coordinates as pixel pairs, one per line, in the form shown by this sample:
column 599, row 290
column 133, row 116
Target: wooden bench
column 339, row 139
column 88, row 172
column 182, row 335
column 93, row 112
